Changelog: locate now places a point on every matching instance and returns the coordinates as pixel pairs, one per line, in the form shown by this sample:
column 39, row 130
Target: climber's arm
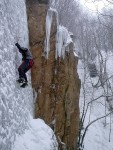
column 21, row 49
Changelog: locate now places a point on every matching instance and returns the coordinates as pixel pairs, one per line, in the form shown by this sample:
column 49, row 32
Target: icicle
column 48, row 31
column 49, row 17
column 63, row 40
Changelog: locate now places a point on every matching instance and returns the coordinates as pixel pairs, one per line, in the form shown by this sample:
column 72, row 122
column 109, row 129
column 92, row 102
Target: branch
column 91, row 124
column 88, row 106
column 105, row 81
column 109, row 1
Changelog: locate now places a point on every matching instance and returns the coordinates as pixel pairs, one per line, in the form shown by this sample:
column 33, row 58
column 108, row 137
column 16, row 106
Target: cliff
column 55, row 81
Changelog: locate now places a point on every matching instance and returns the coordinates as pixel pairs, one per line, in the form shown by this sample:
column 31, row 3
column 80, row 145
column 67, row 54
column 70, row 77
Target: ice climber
column 27, row 63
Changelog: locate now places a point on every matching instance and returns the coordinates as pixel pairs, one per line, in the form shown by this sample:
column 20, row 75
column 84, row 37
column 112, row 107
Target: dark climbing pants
column 24, row 67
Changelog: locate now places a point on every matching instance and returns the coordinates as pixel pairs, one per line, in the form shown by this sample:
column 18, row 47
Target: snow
column 98, row 135
column 38, row 136
column 63, row 37
column 75, row 54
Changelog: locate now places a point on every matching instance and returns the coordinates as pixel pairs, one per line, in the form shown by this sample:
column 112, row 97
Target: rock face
column 55, row 81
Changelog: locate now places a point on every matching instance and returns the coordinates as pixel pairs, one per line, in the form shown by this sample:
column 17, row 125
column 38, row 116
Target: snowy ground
column 99, row 135
column 38, row 136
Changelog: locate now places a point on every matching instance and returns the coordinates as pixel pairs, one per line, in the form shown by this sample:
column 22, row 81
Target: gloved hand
column 16, row 44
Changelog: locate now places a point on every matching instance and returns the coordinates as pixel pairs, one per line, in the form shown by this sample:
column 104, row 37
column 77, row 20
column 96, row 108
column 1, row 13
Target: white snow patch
column 75, row 54
column 39, row 136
